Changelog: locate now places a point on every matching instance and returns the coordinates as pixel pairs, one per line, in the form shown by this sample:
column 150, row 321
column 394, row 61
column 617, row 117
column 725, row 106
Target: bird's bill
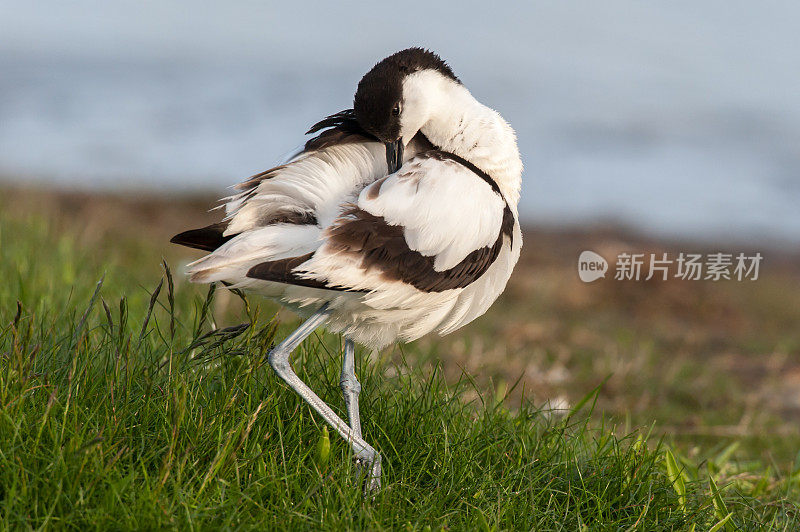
column 394, row 155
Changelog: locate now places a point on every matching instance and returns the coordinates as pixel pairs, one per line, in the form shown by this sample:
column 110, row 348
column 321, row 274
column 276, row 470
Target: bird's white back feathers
column 447, row 211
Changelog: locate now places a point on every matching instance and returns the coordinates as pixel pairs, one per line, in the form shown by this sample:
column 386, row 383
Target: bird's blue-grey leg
column 279, row 360
column 351, row 388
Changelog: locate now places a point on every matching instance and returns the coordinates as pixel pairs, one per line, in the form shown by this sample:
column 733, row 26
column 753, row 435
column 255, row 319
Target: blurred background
column 644, row 127
column 678, row 119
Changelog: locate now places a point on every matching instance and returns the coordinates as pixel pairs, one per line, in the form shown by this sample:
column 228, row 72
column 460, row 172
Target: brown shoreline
column 168, row 213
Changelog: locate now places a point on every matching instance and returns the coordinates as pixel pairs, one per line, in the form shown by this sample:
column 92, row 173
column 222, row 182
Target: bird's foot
column 370, row 467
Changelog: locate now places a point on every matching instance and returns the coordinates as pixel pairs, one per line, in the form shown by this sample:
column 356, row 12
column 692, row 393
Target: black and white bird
column 398, row 219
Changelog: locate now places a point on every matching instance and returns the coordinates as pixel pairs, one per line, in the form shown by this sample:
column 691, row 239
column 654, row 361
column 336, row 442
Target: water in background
column 673, row 118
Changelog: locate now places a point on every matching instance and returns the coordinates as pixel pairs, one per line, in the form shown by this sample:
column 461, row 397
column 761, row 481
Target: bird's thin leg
column 279, row 360
column 351, row 388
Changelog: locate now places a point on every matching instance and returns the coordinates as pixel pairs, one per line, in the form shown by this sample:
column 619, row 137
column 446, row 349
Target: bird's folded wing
column 435, row 225
column 276, row 217
column 279, row 213
column 332, row 167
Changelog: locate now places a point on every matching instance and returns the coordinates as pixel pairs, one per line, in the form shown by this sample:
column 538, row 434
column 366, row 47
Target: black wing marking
column 383, row 247
column 207, row 238
column 281, row 271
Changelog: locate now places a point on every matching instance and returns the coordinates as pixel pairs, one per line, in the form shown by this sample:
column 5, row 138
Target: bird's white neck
column 453, row 120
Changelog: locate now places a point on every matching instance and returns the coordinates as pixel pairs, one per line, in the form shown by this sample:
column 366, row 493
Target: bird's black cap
column 380, row 90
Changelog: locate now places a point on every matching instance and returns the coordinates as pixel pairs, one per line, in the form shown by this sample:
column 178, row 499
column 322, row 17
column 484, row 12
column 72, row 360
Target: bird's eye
column 396, row 110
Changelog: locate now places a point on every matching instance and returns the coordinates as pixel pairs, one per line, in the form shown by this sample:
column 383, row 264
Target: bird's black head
column 378, row 103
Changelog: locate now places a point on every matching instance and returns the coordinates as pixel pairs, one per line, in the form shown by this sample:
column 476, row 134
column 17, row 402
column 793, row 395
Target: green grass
column 130, row 405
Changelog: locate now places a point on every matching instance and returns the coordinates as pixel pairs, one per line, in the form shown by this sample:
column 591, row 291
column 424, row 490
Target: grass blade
column 92, row 300
column 676, row 478
column 153, row 299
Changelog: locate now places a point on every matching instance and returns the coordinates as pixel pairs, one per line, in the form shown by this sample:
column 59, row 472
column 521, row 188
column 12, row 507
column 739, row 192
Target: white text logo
column 591, row 266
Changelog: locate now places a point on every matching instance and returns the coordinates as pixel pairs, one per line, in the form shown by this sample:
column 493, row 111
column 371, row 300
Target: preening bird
column 399, row 218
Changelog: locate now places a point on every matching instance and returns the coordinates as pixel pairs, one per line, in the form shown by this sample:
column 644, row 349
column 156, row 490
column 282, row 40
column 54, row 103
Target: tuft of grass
column 126, row 407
